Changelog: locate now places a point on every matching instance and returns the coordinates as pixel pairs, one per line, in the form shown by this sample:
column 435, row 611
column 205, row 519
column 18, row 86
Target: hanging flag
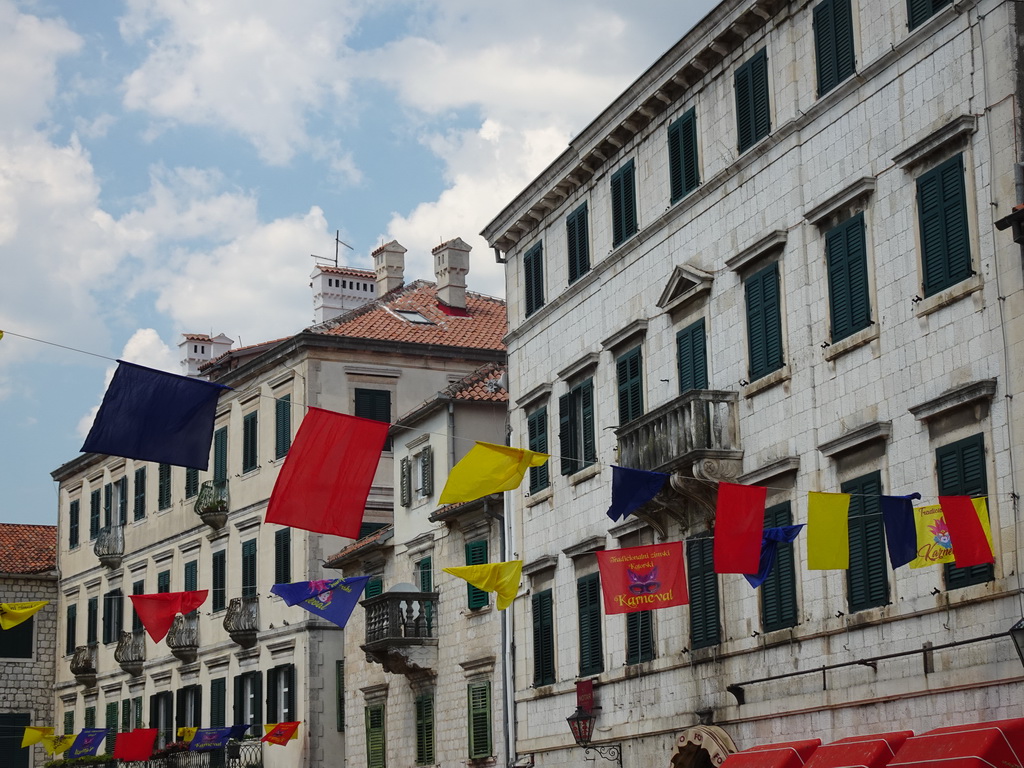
column 739, row 523
column 828, row 531
column 86, row 742
column 280, row 733
column 1, row 335
column 933, row 545
column 56, row 745
column 488, row 468
column 900, row 528
column 502, row 578
column 186, row 733
column 631, row 489
column 12, row 614
column 152, row 415
column 333, row 599
column 327, row 474
column 971, row 541
column 135, row 745
column 156, row 612
column 210, row 738
column 34, row 734
column 643, row 578
column 783, row 534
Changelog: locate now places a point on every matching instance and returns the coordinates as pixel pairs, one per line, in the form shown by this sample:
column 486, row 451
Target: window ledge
column 542, row 495
column 949, row 296
column 249, row 473
column 851, row 342
column 471, row 613
column 767, row 382
column 585, row 474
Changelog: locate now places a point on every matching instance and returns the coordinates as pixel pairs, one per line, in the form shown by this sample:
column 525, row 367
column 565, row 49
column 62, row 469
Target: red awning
column 999, row 744
column 859, row 751
column 790, row 754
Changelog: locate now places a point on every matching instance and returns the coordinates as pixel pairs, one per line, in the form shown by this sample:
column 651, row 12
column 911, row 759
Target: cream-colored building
column 135, row 527
column 772, row 260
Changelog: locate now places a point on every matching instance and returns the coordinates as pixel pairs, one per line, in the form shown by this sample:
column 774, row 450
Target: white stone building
column 134, row 527
column 773, row 260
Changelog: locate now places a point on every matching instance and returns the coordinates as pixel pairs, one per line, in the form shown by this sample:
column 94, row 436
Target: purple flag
column 631, row 489
column 333, row 599
column 86, row 743
column 900, row 529
column 210, row 738
column 770, row 540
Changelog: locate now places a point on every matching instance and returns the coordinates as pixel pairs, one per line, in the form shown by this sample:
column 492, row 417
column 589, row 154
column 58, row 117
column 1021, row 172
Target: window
column 623, row 204
column 919, row 11
column 17, row 642
column 867, row 578
column 92, row 621
column 249, row 699
column 961, row 470
column 425, row 729
column 94, row 514
column 476, row 554
column 283, row 556
column 137, row 706
column 543, row 639
column 163, row 582
column 833, row 42
column 281, row 694
column 69, row 723
column 191, row 575
column 90, row 717
column 188, row 711
column 537, row 427
column 425, row 574
column 375, row 753
column 250, row 441
column 942, row 217
column 405, row 481
column 191, row 482
column 70, row 629
column 161, row 717
column 73, row 511
column 220, row 456
column 219, row 581
column 339, row 692
column 110, row 723
column 847, row 261
column 374, row 587
column 163, row 488
column 533, row 271
column 578, row 243
column 683, row 173
column 778, row 592
column 108, row 505
column 629, row 374
column 692, row 357
column 588, row 601
column 121, row 492
column 12, row 726
column 249, row 568
column 479, row 720
column 113, row 615
column 639, row 637
column 139, row 510
column 417, row 476
column 576, row 427
column 282, row 426
column 703, row 584
column 218, row 702
column 375, row 404
column 764, row 321
column 753, row 113
column 138, row 588
column 126, row 715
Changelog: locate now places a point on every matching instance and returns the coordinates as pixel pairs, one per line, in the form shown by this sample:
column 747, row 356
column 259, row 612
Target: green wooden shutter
column 191, row 482
column 623, row 190
column 283, row 556
column 374, row 404
column 138, row 588
column 427, row 471
column 249, row 568
column 218, row 702
column 703, row 584
column 588, row 600
column 110, row 723
column 94, row 514
column 92, row 620
column 273, row 705
column 405, row 482
column 764, row 321
column 163, row 496
column 122, row 500
column 163, row 582
column 537, row 429
column 753, row 109
column 374, row 587
column 250, row 441
column 683, row 169
column 108, row 501
column 533, row 273
column 578, row 243
column 833, row 42
column 846, row 257
column 778, row 592
column 942, row 215
column 219, row 581
column 425, row 729
column 919, row 11
column 476, row 554
column 139, row 511
column 69, row 722
column 639, row 637
column 629, row 373
column 567, row 444
column 375, row 754
column 339, row 692
column 137, row 707
column 191, row 576
column 479, row 720
column 867, row 578
column 961, row 471
column 543, row 638
column 425, row 571
column 71, row 629
column 220, row 455
column 692, row 357
column 282, row 426
column 90, row 717
column 587, row 438
column 73, row 513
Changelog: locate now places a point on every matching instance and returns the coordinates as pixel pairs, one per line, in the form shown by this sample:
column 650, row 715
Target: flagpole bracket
column 612, row 752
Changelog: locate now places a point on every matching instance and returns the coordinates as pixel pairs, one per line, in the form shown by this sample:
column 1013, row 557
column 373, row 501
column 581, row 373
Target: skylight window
column 412, row 317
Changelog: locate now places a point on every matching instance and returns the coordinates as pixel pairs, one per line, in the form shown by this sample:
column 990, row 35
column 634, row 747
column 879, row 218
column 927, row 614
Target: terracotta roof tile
column 363, row 543
column 365, row 274
column 482, row 385
column 27, row 548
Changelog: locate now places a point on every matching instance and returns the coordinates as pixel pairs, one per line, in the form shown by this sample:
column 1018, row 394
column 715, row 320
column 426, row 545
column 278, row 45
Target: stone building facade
column 773, row 261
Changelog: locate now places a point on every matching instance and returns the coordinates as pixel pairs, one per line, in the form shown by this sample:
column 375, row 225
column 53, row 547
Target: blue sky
column 168, row 166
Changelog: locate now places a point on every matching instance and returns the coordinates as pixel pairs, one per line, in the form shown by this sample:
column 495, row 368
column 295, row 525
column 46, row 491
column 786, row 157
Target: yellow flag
column 187, row 733
column 268, row 727
column 34, row 734
column 828, row 531
column 502, row 578
column 55, row 745
column 933, row 543
column 12, row 614
column 488, row 468
column 1, row 334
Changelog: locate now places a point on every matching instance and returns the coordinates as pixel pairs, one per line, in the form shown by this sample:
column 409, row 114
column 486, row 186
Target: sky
column 169, row 167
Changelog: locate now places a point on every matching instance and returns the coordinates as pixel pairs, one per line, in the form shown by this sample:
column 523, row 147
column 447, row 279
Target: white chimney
column 451, row 264
column 197, row 349
column 336, row 290
column 389, row 264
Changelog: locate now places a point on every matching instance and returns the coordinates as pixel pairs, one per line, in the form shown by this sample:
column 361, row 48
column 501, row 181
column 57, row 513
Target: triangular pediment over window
column 685, row 284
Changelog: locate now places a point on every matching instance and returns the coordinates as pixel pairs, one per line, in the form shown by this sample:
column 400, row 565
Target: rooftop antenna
column 337, row 241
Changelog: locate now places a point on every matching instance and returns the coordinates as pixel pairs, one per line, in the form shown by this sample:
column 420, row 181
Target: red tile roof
column 381, row 534
column 484, row 328
column 366, row 274
column 27, row 548
column 484, row 385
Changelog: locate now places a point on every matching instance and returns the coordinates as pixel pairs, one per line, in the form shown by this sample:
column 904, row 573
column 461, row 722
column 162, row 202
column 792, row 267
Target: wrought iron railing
column 404, row 616
column 242, row 620
column 245, row 754
column 212, row 504
column 83, row 665
column 183, row 637
column 109, row 546
column 131, row 651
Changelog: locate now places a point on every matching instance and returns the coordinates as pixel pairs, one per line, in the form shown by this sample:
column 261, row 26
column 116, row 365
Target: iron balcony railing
column 109, row 546
column 212, row 504
column 242, row 620
column 183, row 637
column 245, row 754
column 405, row 617
column 131, row 651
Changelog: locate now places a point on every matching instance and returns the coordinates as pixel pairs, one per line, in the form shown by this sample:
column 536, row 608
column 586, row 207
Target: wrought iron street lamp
column 1017, row 635
column 581, row 723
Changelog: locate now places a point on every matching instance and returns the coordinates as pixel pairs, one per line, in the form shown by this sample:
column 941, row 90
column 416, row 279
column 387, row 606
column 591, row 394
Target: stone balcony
column 212, row 503
column 243, row 619
column 109, row 546
column 131, row 651
column 401, row 630
column 83, row 665
column 183, row 637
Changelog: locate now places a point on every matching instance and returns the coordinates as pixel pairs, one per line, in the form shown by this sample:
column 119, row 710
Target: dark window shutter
column 833, row 42
column 163, row 496
column 197, row 707
column 17, row 642
column 108, row 502
column 220, row 455
column 257, row 688
column 218, row 702
column 405, row 477
column 543, row 639
column 476, row 554
column 537, row 429
column 73, row 514
column 375, row 755
column 70, row 630
column 90, row 717
column 588, row 599
column 578, row 243
column 533, row 274
column 684, row 176
column 624, row 221
column 94, row 514
column 425, row 729
column 942, row 213
column 163, row 582
column 250, row 441
column 425, row 569
column 692, row 357
column 219, row 579
column 110, row 723
column 961, row 470
column 846, row 257
column 122, row 501
column 191, row 576
column 639, row 637
column 703, row 584
column 154, row 711
column 126, row 715
column 339, row 692
column 919, row 11
column 427, row 471
column 69, row 722
column 778, row 592
column 138, row 588
column 191, row 482
column 586, row 395
column 867, row 578
column 479, row 720
column 137, row 706
column 283, row 556
column 753, row 109
column 92, row 620
column 764, row 321
column 238, row 701
column 282, row 426
column 374, row 587
column 273, row 677
column 567, row 444
column 249, row 568
column 179, row 708
column 374, row 404
column 139, row 511
column 629, row 373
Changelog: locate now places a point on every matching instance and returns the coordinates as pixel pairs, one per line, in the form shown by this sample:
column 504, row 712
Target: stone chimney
column 197, row 349
column 451, row 264
column 389, row 264
column 336, row 290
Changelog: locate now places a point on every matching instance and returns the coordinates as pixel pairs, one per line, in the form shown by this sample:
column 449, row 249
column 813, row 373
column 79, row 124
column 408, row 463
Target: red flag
column 156, row 612
column 739, row 526
column 643, row 578
column 136, row 745
column 970, row 545
column 326, row 478
column 280, row 733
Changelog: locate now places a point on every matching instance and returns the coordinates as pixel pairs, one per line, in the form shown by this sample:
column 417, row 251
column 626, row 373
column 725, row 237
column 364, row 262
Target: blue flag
column 333, row 599
column 155, row 416
column 900, row 529
column 238, row 731
column 770, row 540
column 209, row 738
column 631, row 489
column 87, row 742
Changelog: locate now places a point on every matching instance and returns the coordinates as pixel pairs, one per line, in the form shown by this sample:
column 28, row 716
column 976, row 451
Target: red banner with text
column 643, row 578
